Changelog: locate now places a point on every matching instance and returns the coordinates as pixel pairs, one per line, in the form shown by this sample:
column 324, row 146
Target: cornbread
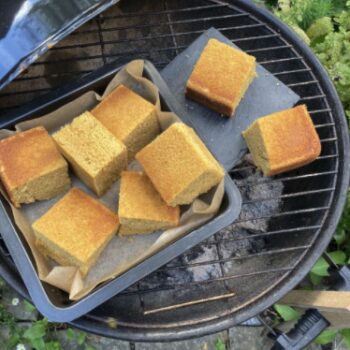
column 129, row 117
column 141, row 208
column 283, row 141
column 179, row 165
column 221, row 77
column 75, row 230
column 31, row 168
column 95, row 155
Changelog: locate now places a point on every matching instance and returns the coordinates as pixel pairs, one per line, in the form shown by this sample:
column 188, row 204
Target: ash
column 201, row 262
column 260, row 201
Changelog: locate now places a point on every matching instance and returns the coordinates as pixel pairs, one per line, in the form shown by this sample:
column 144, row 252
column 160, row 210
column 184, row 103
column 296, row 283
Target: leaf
column 339, row 237
column 81, row 338
column 28, row 307
column 321, row 267
column 287, row 312
column 53, row 345
column 338, row 257
column 345, row 333
column 37, row 331
column 70, row 333
column 326, row 337
column 37, row 344
column 220, row 345
column 315, row 279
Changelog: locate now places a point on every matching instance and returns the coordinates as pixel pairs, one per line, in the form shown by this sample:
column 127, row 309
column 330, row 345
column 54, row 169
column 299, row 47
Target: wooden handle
column 321, row 300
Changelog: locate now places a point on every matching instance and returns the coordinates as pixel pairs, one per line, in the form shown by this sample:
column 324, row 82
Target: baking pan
column 265, row 95
column 54, row 303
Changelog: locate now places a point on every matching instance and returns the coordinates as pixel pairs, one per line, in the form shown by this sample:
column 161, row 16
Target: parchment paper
column 122, row 252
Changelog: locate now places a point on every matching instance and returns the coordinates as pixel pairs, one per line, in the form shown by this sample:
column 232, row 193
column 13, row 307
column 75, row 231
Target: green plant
column 325, row 25
column 220, row 345
column 41, row 335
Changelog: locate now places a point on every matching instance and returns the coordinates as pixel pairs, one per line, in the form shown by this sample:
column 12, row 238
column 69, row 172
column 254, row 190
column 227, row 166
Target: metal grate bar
column 33, row 77
column 325, row 125
column 226, row 260
column 303, row 83
column 178, row 286
column 272, row 233
column 172, row 31
column 280, row 47
column 308, row 98
column 169, row 11
column 270, row 252
column 303, row 70
column 289, row 195
column 290, row 212
column 298, row 58
column 289, row 178
column 162, row 36
column 184, row 21
column 256, row 37
column 331, row 139
column 147, row 54
column 323, row 110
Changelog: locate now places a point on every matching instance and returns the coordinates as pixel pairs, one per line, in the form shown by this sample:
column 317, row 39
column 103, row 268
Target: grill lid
column 29, row 28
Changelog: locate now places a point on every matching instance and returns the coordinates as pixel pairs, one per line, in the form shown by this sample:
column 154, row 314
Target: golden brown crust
column 290, row 139
column 139, row 200
column 175, row 161
column 122, row 111
column 78, row 224
column 195, row 93
column 26, row 155
column 94, row 153
column 220, row 77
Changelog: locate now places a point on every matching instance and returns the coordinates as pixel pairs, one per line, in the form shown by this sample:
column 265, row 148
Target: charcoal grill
column 286, row 221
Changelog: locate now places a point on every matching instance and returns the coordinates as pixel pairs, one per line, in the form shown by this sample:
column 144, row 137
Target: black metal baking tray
column 50, row 301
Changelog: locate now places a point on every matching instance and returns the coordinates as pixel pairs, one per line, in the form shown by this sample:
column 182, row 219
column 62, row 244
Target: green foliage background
column 325, row 26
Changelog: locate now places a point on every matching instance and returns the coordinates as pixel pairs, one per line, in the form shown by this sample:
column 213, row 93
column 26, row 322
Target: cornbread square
column 179, row 165
column 129, row 117
column 31, row 168
column 221, row 77
column 75, row 230
column 141, row 208
column 283, row 141
column 96, row 156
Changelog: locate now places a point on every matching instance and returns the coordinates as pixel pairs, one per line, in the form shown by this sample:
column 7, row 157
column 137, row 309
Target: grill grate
column 281, row 216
